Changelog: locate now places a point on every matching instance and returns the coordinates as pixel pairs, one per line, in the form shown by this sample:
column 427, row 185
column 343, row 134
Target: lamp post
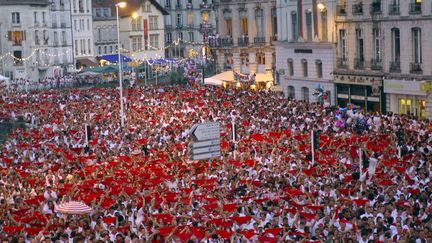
column 120, row 5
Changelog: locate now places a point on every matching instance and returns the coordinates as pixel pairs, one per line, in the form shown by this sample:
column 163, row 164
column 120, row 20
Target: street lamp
column 120, row 5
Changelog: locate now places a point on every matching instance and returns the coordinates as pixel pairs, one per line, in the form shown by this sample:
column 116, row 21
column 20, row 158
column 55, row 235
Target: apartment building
column 104, row 27
column 82, row 32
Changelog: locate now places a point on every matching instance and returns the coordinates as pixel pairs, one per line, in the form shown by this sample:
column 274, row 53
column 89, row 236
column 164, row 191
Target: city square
column 215, row 121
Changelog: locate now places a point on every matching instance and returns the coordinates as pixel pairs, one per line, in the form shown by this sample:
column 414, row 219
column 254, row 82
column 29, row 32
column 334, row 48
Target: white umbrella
column 3, row 78
column 73, row 207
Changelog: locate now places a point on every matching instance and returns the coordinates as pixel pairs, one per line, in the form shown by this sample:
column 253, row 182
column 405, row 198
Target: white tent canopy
column 213, row 81
column 3, row 78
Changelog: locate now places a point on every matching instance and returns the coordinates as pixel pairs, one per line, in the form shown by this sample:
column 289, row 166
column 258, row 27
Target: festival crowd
column 369, row 179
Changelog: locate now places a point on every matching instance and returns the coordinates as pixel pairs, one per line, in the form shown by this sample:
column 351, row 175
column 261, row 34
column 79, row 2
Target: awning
column 212, row 81
column 225, row 76
column 113, row 58
column 86, row 62
column 262, row 77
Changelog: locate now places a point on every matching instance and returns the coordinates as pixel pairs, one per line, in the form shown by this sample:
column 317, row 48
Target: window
column 153, row 22
column 291, row 92
column 360, row 45
column 154, row 41
column 191, row 36
column 36, row 33
column 168, row 3
column 309, row 25
column 45, row 37
column 244, row 26
column 88, row 24
column 180, row 36
column 290, row 67
column 205, row 16
column 64, row 37
column 179, row 20
column 43, row 18
column 416, row 45
column 55, row 38
column 377, row 45
column 106, row 50
column 111, row 49
column 294, row 26
column 169, row 37
column 136, row 24
column 190, row 19
column 324, row 25
column 16, row 20
column 18, row 58
column 228, row 24
column 35, row 18
column 304, row 67
column 259, row 18
column 305, row 94
column 261, row 58
column 100, row 50
column 16, row 37
column 89, row 46
column 137, row 44
column 342, row 44
column 395, row 44
column 99, row 34
column 76, row 47
column 319, row 71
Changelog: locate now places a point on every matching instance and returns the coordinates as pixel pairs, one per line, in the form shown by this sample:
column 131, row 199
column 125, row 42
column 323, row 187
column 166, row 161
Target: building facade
column 305, row 50
column 383, row 58
column 188, row 26
column 61, row 35
column 31, row 38
column 246, row 32
column 82, row 32
column 142, row 30
column 104, row 27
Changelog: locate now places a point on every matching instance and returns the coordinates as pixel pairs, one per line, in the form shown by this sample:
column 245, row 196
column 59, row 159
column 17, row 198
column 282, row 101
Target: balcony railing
column 228, row 66
column 375, row 7
column 259, row 40
column 394, row 9
column 376, row 64
column 415, row 8
column 395, row 67
column 64, row 43
column 205, row 6
column 179, row 26
column 189, row 6
column 168, row 26
column 54, row 25
column 243, row 41
column 214, row 42
column 227, row 41
column 55, row 43
column 357, row 9
column 342, row 63
column 63, row 25
column 416, row 68
column 178, row 6
column 359, row 63
column 341, row 10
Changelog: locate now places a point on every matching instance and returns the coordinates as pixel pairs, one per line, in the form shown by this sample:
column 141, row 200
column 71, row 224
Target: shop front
column 362, row 91
column 407, row 97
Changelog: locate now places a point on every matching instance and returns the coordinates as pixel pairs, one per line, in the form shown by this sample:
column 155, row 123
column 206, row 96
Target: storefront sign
column 406, row 87
column 359, row 80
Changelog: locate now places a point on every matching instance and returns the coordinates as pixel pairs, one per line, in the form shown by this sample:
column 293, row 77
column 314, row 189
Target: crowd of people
column 359, row 186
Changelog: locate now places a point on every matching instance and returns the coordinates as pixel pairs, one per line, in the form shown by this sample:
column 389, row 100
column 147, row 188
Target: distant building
column 384, row 60
column 305, row 49
column 82, row 32
column 104, row 27
column 247, row 31
column 142, row 29
column 31, row 39
column 189, row 23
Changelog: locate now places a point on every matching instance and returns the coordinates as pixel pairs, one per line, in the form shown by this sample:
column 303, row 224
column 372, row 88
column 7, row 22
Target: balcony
column 357, row 9
column 213, row 42
column 243, row 41
column 63, row 25
column 205, row 6
column 395, row 67
column 341, row 10
column 416, row 68
column 375, row 7
column 18, row 62
column 189, row 6
column 376, row 64
column 36, row 23
column 37, row 42
column 168, row 26
column 178, row 6
column 179, row 26
column 54, row 25
column 342, row 63
column 259, row 40
column 189, row 26
column 81, row 10
column 55, row 43
column 394, row 9
column 359, row 63
column 205, row 26
column 64, row 43
column 227, row 41
column 415, row 8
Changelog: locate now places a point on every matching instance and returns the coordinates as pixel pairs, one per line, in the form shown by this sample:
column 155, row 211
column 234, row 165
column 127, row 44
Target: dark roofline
column 158, row 6
column 25, row 2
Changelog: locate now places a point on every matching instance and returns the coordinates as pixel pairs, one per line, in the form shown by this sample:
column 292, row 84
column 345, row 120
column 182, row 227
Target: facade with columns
column 383, row 58
column 82, row 32
column 188, row 25
column 246, row 34
column 305, row 51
